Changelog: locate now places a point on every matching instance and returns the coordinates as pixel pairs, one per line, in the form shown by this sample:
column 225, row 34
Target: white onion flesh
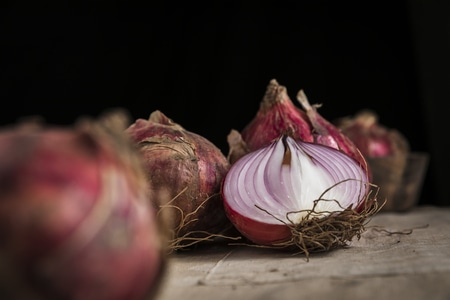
column 262, row 187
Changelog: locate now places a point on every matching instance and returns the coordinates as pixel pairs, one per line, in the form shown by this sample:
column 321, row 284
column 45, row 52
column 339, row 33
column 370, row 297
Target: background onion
column 372, row 138
column 184, row 171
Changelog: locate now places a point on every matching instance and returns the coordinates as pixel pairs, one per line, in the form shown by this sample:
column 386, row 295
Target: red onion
column 277, row 114
column 326, row 133
column 372, row 138
column 395, row 169
column 272, row 193
column 185, row 171
column 74, row 217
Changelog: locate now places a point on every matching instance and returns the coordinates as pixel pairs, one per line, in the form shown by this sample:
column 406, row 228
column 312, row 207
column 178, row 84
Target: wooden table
column 409, row 260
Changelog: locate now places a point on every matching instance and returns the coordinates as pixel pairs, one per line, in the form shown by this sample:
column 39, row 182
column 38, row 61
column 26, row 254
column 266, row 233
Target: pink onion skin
column 185, row 169
column 277, row 115
column 326, row 133
column 371, row 137
column 74, row 218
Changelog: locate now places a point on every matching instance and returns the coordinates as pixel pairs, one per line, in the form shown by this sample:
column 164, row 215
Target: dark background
column 207, row 65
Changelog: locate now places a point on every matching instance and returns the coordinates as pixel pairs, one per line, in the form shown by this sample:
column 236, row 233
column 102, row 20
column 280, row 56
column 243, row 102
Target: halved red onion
column 275, row 186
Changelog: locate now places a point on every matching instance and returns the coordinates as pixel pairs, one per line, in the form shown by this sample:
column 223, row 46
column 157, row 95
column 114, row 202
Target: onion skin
column 184, row 171
column 74, row 218
column 326, row 133
column 237, row 146
column 277, row 115
column 372, row 138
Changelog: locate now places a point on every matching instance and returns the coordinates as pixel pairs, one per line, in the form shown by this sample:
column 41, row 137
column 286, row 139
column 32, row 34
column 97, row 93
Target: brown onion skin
column 277, row 115
column 74, row 218
column 185, row 170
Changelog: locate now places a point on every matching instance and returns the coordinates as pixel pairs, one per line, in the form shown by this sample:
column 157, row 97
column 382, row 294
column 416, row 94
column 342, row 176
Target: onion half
column 270, row 193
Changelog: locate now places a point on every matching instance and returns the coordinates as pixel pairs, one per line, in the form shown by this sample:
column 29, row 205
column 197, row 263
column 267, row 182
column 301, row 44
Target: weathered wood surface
column 380, row 265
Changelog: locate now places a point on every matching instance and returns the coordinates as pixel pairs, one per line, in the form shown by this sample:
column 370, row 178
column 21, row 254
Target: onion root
column 322, row 231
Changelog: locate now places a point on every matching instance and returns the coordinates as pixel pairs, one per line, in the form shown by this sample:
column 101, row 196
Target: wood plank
column 394, row 262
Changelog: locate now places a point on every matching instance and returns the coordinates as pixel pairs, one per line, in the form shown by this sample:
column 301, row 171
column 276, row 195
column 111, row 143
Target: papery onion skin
column 259, row 210
column 277, row 115
column 184, row 170
column 74, row 218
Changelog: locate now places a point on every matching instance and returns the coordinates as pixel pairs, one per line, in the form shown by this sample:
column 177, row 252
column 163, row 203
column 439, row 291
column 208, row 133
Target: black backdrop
column 207, row 66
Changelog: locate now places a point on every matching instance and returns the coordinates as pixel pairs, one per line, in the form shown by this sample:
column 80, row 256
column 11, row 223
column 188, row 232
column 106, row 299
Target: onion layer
column 271, row 192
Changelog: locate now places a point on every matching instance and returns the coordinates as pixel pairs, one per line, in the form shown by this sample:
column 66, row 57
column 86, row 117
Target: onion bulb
column 372, row 138
column 184, row 171
column 395, row 169
column 297, row 194
column 326, row 133
column 74, row 217
column 277, row 114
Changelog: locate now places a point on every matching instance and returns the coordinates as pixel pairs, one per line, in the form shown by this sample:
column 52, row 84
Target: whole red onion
column 277, row 115
column 184, row 171
column 74, row 216
column 396, row 170
column 326, row 133
column 372, row 138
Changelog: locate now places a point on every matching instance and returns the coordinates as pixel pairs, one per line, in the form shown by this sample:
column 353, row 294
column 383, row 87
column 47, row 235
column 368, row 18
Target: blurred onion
column 74, row 216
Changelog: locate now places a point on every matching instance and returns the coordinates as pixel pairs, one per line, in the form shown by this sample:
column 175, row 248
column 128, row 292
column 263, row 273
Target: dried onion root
column 322, row 231
column 325, row 231
column 180, row 236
